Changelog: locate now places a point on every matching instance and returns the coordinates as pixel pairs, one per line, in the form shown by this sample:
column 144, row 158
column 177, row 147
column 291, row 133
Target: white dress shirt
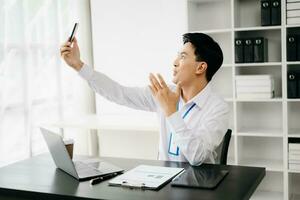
column 191, row 138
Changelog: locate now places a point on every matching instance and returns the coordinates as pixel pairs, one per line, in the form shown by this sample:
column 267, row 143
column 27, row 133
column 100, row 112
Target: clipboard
column 146, row 177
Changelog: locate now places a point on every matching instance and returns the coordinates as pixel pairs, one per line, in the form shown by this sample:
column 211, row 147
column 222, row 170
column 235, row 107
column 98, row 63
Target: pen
column 102, row 178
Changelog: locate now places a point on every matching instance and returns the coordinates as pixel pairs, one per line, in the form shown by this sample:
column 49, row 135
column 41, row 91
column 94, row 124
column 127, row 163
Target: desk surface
column 38, row 178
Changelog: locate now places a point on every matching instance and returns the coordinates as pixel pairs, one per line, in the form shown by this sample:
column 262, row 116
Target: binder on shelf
column 260, row 49
column 291, row 48
column 146, row 177
column 275, row 12
column 239, row 51
column 292, row 85
column 298, row 85
column 265, row 13
column 248, row 51
column 298, row 47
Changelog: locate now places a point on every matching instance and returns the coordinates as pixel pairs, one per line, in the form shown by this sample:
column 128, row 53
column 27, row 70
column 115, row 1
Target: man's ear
column 201, row 67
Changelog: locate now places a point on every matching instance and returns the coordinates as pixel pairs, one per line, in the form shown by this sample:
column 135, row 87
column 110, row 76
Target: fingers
column 65, row 54
column 66, row 44
column 152, row 90
column 161, row 81
column 75, row 42
column 65, row 49
column 154, row 82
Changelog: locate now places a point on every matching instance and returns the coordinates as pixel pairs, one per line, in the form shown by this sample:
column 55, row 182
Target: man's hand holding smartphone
column 69, row 51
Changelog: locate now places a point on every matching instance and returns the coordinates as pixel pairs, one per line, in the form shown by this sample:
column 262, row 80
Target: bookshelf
column 261, row 127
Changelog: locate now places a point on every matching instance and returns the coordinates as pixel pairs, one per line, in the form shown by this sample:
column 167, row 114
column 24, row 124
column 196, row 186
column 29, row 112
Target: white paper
column 146, row 176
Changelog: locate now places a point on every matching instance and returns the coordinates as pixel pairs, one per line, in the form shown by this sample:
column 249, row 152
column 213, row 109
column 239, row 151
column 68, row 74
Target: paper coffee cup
column 69, row 143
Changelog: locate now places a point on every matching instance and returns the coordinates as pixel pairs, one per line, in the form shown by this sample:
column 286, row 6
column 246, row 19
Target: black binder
column 275, row 12
column 298, row 47
column 248, row 51
column 291, row 47
column 239, row 51
column 294, row 140
column 292, row 85
column 265, row 12
column 298, row 85
column 260, row 49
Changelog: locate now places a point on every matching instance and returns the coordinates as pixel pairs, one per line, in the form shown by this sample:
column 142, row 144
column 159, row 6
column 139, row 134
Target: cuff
column 86, row 72
column 176, row 122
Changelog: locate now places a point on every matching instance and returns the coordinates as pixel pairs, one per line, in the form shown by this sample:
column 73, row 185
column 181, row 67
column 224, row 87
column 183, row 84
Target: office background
column 127, row 40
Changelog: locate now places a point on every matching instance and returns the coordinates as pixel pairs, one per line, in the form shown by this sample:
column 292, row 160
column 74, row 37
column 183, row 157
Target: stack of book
column 254, row 86
column 292, row 12
column 294, row 153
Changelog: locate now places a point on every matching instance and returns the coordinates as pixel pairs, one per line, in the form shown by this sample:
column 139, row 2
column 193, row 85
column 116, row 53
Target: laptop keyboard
column 85, row 170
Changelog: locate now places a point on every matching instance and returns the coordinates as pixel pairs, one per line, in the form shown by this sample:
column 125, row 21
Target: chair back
column 222, row 149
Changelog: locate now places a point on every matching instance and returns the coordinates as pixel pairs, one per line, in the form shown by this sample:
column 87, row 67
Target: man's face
column 185, row 65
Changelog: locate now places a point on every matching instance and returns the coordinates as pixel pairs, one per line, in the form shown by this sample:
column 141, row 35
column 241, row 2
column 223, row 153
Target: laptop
column 78, row 169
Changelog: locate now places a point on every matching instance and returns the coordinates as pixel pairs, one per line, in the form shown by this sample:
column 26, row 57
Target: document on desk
column 146, row 177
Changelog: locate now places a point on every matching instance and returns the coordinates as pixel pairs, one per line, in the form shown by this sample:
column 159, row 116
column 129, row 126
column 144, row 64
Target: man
column 193, row 119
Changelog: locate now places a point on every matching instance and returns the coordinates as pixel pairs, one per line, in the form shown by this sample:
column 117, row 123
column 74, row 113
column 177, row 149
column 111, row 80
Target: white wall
column 131, row 39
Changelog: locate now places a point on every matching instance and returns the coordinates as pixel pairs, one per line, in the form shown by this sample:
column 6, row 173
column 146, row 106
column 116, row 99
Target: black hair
column 207, row 50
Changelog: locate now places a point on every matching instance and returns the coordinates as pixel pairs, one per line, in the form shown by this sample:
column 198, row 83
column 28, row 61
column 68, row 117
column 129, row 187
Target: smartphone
column 71, row 38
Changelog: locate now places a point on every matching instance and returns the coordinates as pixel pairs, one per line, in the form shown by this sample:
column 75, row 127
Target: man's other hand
column 167, row 98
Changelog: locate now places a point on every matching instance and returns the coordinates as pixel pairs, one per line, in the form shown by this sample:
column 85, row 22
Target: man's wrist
column 169, row 112
column 77, row 66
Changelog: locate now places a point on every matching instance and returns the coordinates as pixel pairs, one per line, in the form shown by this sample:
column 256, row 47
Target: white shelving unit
column 261, row 127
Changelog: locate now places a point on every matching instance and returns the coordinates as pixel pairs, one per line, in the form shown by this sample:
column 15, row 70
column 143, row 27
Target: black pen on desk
column 102, row 178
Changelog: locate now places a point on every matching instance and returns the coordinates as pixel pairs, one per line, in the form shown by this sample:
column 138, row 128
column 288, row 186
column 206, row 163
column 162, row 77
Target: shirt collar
column 201, row 97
